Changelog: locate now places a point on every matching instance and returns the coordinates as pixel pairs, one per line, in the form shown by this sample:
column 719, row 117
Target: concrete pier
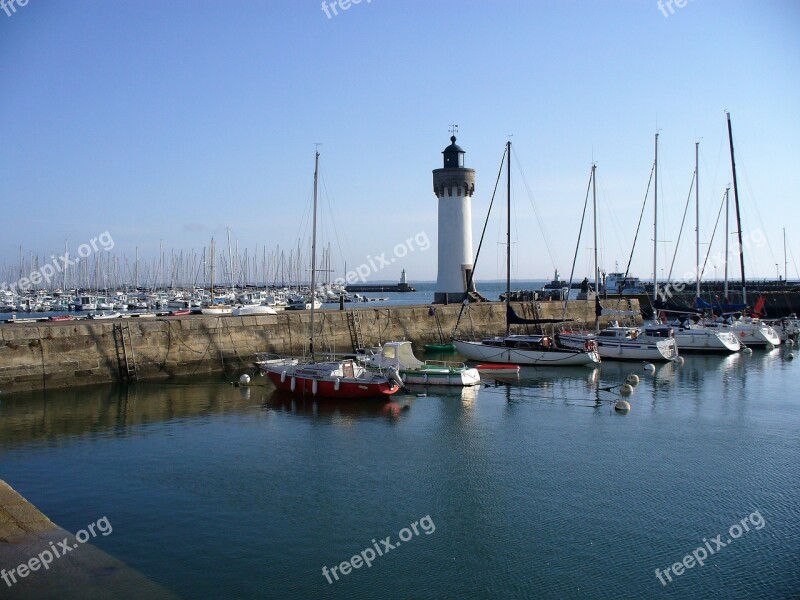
column 83, row 573
column 55, row 355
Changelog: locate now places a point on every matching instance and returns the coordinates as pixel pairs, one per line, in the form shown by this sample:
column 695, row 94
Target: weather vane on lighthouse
column 453, row 129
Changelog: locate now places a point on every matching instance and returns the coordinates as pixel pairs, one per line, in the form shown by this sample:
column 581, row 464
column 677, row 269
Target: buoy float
column 789, row 356
column 747, row 350
column 679, row 360
column 632, row 379
column 649, row 367
column 244, row 379
column 622, row 406
column 789, row 342
column 626, row 389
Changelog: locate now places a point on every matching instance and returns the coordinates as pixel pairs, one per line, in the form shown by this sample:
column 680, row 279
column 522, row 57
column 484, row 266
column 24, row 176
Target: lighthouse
column 454, row 185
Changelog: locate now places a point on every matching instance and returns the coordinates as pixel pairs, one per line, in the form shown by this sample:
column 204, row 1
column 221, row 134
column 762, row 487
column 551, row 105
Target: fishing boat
column 400, row 356
column 622, row 284
column 327, row 379
column 538, row 349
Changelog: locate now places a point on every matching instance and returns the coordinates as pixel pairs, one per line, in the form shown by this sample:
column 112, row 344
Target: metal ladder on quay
column 354, row 326
column 126, row 357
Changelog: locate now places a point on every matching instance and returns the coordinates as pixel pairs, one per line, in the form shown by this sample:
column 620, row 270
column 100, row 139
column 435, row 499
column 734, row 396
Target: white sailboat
column 522, row 349
column 690, row 335
column 651, row 343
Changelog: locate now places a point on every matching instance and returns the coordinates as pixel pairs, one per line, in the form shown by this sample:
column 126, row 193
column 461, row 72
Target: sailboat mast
column 697, row 215
column 738, row 214
column 785, row 262
column 727, row 238
column 508, row 235
column 314, row 254
column 655, row 224
column 594, row 219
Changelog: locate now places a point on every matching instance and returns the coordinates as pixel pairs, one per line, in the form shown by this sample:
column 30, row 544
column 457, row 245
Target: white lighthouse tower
column 454, row 185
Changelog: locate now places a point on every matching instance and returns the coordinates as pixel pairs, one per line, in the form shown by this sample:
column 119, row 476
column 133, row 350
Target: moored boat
column 334, row 378
column 651, row 343
column 400, row 356
column 493, row 369
column 525, row 349
column 329, row 379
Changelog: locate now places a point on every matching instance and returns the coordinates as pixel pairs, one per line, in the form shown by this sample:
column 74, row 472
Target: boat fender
column 337, row 383
column 293, row 383
column 283, row 375
column 314, row 386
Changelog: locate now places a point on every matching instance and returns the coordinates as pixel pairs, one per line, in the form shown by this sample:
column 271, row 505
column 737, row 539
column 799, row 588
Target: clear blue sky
column 177, row 120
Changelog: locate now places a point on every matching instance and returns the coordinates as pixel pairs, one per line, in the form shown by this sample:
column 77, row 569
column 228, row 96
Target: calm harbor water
column 529, row 488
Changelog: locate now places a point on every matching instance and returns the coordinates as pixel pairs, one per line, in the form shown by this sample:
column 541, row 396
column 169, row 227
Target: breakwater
column 58, row 355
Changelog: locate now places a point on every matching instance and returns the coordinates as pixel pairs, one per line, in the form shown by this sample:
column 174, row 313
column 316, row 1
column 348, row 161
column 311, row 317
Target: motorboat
column 400, row 356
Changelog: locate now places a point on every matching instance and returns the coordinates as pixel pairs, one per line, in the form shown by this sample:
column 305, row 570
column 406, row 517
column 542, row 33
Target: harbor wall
column 52, row 355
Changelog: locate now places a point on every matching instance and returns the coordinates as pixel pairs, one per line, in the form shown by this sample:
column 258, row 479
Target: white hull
column 243, row 311
column 624, row 350
column 432, row 376
column 482, row 352
column 216, row 310
column 704, row 340
column 756, row 336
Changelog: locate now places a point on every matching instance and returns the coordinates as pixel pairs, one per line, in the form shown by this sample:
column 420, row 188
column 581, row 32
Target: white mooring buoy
column 626, row 389
column 632, row 379
column 649, row 367
column 679, row 360
column 747, row 350
column 244, row 379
